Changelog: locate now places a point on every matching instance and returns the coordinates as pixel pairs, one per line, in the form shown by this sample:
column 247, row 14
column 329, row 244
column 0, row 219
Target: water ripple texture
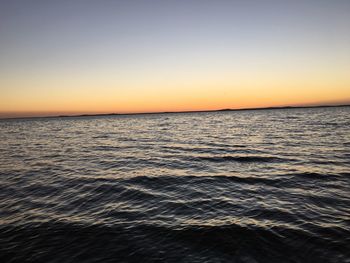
column 249, row 186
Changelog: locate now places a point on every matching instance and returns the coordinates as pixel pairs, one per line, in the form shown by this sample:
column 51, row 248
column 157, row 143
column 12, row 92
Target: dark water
column 252, row 186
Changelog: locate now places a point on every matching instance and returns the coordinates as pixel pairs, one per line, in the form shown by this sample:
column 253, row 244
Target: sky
column 72, row 57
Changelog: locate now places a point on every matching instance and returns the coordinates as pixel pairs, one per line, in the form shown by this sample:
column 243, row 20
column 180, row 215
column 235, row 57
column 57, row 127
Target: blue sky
column 124, row 46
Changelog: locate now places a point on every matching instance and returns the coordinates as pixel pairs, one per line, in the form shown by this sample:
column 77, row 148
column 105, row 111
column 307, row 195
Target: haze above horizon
column 76, row 57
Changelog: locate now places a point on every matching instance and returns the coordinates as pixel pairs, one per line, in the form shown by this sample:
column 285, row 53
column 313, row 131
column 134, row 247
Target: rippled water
column 250, row 186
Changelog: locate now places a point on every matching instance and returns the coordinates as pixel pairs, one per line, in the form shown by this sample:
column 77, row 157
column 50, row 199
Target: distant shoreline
column 174, row 112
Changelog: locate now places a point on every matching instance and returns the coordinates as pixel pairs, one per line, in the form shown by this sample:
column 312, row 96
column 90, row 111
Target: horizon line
column 174, row 112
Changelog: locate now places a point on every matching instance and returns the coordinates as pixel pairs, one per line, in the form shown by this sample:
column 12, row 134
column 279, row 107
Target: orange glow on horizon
column 80, row 96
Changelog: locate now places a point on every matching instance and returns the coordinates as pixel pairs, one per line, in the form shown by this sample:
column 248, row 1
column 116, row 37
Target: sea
column 229, row 186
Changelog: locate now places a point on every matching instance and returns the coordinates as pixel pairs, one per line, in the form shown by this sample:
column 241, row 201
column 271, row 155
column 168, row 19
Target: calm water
column 250, row 186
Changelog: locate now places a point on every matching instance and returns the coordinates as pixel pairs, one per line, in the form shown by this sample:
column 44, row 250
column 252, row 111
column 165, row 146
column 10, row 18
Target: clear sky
column 171, row 55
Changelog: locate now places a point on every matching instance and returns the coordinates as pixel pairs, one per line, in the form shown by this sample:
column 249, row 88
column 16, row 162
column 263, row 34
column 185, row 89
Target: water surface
column 249, row 186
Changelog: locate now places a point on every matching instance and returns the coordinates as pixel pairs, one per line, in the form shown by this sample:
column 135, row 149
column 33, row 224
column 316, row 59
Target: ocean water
column 248, row 186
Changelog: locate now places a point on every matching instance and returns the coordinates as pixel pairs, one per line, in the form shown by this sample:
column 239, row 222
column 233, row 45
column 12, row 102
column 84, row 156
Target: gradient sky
column 162, row 55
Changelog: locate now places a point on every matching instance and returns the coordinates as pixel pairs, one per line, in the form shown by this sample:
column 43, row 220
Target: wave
column 59, row 241
column 242, row 159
